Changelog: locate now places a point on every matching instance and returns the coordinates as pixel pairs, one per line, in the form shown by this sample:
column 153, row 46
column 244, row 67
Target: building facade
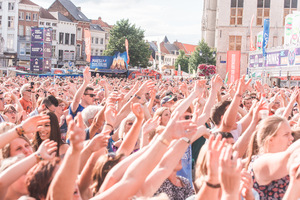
column 232, row 19
column 9, row 32
column 97, row 40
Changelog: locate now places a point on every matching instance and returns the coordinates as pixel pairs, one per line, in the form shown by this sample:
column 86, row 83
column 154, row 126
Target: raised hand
column 199, row 87
column 151, row 124
column 110, row 114
column 137, row 110
column 47, row 149
column 246, row 185
column 99, row 141
column 216, row 83
column 87, row 75
column 242, row 86
column 31, row 124
column 76, row 132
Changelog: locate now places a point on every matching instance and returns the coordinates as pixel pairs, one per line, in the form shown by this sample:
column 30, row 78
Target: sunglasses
column 91, row 95
column 187, row 117
column 61, row 94
column 28, row 90
column 295, row 109
column 11, row 112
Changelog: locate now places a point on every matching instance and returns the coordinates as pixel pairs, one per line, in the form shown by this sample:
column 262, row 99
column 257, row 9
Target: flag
column 126, row 46
column 226, row 78
column 265, row 36
column 87, row 40
column 259, row 40
column 179, row 69
column 252, row 48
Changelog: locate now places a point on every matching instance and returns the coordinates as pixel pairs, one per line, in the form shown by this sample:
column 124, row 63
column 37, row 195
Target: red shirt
column 27, row 105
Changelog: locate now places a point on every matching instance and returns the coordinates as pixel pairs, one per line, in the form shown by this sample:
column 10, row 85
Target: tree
column 206, row 58
column 139, row 51
column 183, row 61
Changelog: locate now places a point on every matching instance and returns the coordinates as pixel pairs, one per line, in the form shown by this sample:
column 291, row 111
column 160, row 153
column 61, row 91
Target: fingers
column 80, row 120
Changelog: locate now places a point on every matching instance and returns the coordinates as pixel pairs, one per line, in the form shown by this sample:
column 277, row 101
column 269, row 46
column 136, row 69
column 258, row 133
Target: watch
column 187, row 140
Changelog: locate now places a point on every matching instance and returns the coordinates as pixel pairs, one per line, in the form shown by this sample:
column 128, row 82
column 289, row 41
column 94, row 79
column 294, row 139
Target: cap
column 166, row 99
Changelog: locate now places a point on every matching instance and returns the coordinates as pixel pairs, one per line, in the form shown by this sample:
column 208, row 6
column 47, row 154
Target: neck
column 174, row 180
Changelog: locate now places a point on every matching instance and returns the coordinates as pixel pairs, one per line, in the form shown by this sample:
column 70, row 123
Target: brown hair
column 218, row 111
column 103, row 165
column 39, row 178
column 6, row 148
column 265, row 130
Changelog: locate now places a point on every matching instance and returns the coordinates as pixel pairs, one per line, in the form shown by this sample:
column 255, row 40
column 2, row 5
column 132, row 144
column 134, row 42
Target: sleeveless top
column 274, row 190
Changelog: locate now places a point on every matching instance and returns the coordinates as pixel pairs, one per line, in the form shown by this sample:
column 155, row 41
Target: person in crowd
column 27, row 101
column 49, row 103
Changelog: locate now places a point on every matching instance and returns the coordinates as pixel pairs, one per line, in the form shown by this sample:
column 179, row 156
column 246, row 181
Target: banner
column 266, row 36
column 252, row 47
column 259, row 40
column 127, row 50
column 87, row 40
column 292, row 28
column 116, row 63
column 233, row 65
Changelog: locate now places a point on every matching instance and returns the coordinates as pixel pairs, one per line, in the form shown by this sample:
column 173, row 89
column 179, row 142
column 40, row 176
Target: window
column 67, row 38
column 34, row 17
column 54, row 35
column 78, row 50
column 42, row 23
column 236, row 12
column 10, row 41
column 53, row 51
column 61, row 38
column 1, row 5
column 21, row 30
column 11, row 6
column 101, row 52
column 101, row 40
column 92, row 40
column 289, row 7
column 96, row 40
column 48, row 24
column 21, row 16
column 28, row 30
column 79, row 33
column 72, row 39
column 54, row 24
column 60, row 54
column 263, row 11
column 22, row 49
column 0, row 20
column 235, row 43
column 10, row 23
column 96, row 52
column 72, row 55
column 28, row 16
column 92, row 52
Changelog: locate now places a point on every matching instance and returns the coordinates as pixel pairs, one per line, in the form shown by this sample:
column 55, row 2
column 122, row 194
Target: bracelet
column 213, row 185
column 109, row 125
column 187, row 140
column 164, row 141
column 138, row 97
column 20, row 131
column 38, row 157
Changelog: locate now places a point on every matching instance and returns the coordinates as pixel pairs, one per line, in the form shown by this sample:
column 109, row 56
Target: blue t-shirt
column 79, row 109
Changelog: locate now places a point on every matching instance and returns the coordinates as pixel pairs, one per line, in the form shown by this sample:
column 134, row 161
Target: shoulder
column 63, row 149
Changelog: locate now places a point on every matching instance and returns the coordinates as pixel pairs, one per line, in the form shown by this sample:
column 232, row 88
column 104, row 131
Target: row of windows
column 11, row 5
column 263, row 10
column 96, row 52
column 48, row 24
column 10, row 21
column 235, row 42
column 95, row 40
column 28, row 16
column 66, row 38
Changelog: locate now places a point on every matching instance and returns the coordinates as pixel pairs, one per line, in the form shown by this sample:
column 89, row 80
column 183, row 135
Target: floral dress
column 274, row 190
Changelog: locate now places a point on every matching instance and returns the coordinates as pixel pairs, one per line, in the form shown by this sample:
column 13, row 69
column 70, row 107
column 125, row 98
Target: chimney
column 79, row 8
column 99, row 18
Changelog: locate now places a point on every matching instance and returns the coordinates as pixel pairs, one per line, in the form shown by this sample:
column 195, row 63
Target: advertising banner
column 87, row 40
column 101, row 62
column 47, row 64
column 37, row 34
column 265, row 36
column 259, row 40
column 47, row 50
column 233, row 65
column 48, row 35
column 36, row 64
column 36, row 49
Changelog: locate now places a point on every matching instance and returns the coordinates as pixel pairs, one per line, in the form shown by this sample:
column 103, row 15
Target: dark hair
column 88, row 88
column 225, row 135
column 50, row 100
column 102, row 167
column 54, row 134
column 39, row 178
column 218, row 111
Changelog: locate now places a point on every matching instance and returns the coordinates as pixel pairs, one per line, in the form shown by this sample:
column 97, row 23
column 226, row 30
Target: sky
column 177, row 19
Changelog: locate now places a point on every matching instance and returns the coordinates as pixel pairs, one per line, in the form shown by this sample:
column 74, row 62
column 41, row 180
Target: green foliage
column 139, row 51
column 183, row 61
column 206, row 58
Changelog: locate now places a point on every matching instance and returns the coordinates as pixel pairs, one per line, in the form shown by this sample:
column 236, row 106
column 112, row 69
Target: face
column 128, row 125
column 168, row 104
column 45, row 131
column 51, row 108
column 248, row 104
column 27, row 93
column 276, row 105
column 295, row 110
column 282, row 139
column 12, row 115
column 20, row 146
column 61, row 107
column 186, row 116
column 165, row 117
column 88, row 97
column 1, row 102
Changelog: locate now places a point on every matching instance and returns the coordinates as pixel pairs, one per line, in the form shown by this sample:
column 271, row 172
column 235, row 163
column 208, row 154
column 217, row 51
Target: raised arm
column 62, row 185
column 86, row 80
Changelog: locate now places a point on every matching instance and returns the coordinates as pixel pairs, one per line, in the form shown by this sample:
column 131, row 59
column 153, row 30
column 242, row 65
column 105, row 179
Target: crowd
column 113, row 138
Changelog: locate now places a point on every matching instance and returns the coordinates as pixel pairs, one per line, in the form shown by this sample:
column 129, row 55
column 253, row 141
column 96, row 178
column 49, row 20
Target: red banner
column 87, row 40
column 233, row 65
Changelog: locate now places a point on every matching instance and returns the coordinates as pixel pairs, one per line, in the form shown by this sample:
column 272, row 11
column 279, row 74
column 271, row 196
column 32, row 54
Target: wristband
column 20, row 131
column 109, row 125
column 138, row 97
column 187, row 140
column 215, row 186
column 38, row 157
